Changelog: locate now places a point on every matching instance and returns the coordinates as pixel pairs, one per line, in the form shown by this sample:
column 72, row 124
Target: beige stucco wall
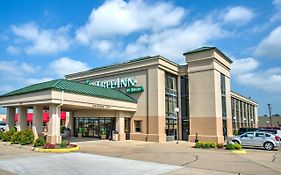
column 149, row 74
column 204, row 71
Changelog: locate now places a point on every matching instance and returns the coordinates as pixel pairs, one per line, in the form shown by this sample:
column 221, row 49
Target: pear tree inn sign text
column 115, row 83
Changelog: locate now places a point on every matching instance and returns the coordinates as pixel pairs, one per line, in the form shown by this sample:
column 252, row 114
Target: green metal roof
column 73, row 87
column 208, row 48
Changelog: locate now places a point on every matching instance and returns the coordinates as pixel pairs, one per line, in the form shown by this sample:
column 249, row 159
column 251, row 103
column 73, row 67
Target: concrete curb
column 62, row 150
column 239, row 152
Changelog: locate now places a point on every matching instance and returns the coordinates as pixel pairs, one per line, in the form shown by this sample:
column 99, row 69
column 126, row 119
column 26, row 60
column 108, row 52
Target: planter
column 57, row 150
column 80, row 135
column 103, row 137
column 115, row 137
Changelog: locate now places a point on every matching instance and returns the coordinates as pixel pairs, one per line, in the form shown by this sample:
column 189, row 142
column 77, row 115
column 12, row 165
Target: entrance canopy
column 70, row 95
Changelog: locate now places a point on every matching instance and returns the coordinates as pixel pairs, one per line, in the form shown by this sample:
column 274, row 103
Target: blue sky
column 43, row 40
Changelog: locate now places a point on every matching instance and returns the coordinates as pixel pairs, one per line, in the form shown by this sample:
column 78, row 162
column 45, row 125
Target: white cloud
column 14, row 68
column 65, row 65
column 238, row 15
column 42, row 41
column 118, row 17
column 13, row 50
column 270, row 46
column 244, row 65
column 172, row 43
column 277, row 15
column 269, row 80
column 246, row 73
column 103, row 46
column 37, row 80
column 6, row 88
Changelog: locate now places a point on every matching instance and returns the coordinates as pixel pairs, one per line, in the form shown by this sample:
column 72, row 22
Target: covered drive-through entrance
column 91, row 109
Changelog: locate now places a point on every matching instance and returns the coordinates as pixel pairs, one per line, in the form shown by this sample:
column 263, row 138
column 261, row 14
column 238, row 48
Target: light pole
column 269, row 114
column 177, row 113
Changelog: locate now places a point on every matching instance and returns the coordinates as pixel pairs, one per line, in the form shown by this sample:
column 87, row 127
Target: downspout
column 62, row 98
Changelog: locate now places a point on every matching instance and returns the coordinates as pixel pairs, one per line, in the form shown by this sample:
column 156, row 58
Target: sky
column 44, row 40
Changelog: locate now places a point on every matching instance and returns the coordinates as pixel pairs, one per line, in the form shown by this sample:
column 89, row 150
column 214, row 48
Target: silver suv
column 258, row 139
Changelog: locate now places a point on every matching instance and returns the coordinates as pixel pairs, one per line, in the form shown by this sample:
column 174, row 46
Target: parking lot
column 133, row 157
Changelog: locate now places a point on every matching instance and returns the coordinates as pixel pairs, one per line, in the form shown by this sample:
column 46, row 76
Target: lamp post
column 177, row 113
column 269, row 114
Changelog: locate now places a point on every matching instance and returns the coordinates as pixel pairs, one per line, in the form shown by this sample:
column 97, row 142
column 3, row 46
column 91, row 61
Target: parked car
column 2, row 126
column 244, row 130
column 258, row 139
column 272, row 131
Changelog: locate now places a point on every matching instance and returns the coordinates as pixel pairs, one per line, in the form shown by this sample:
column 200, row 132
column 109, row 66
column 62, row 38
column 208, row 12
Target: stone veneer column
column 37, row 121
column 204, row 70
column 22, row 118
column 156, row 103
column 10, row 119
column 120, row 125
column 69, row 122
column 54, row 136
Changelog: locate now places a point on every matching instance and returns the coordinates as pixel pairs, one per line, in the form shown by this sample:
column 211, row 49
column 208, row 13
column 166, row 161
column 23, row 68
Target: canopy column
column 54, row 136
column 10, row 119
column 120, row 125
column 37, row 125
column 22, row 118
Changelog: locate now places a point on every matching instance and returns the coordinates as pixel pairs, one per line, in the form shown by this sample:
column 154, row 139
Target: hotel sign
column 128, row 83
column 112, row 84
column 134, row 89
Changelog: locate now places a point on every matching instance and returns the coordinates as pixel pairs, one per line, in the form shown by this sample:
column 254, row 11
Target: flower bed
column 57, row 148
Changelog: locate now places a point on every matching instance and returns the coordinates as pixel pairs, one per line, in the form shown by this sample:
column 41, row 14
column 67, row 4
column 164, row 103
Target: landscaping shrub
column 15, row 139
column 219, row 145
column 7, row 135
column 206, row 145
column 26, row 137
column 199, row 145
column 64, row 144
column 213, row 145
column 232, row 146
column 1, row 133
column 237, row 146
column 39, row 142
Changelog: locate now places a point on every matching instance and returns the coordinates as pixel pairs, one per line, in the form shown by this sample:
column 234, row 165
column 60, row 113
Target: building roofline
column 250, row 99
column 201, row 49
column 136, row 60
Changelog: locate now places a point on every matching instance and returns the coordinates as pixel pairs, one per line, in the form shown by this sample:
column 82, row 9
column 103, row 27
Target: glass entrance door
column 92, row 127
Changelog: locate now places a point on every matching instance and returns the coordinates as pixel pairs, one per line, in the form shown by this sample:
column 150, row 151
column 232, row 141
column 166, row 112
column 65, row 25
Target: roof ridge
column 58, row 81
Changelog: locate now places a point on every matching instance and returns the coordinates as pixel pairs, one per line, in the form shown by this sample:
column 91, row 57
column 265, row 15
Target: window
column 137, row 126
column 170, row 95
column 259, row 134
column 223, row 105
column 223, row 96
column 250, row 134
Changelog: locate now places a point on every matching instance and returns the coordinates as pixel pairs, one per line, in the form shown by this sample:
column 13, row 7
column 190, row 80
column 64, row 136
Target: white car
column 2, row 126
column 258, row 139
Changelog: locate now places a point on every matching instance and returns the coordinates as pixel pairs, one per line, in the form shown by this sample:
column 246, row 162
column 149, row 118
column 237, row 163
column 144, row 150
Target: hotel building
column 149, row 99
